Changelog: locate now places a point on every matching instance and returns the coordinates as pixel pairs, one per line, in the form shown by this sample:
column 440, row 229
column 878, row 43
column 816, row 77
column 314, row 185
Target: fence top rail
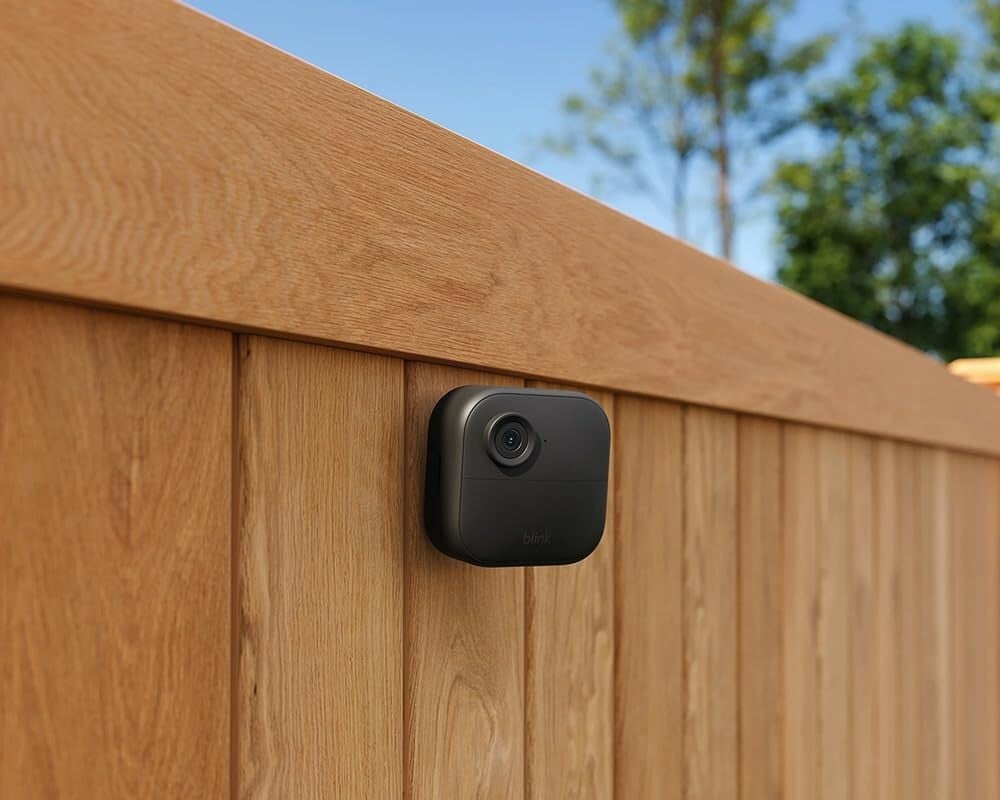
column 157, row 160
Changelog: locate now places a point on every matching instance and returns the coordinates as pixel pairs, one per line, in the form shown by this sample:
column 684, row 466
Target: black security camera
column 516, row 477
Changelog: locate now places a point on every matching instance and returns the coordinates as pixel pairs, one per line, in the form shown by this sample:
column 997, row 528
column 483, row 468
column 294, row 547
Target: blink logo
column 537, row 537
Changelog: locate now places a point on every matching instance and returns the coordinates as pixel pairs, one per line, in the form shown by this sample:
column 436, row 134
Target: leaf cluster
column 896, row 220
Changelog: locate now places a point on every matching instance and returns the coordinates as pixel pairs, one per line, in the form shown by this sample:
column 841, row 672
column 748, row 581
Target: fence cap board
column 155, row 159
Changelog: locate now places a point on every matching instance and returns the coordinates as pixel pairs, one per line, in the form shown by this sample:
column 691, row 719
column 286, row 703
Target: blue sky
column 496, row 72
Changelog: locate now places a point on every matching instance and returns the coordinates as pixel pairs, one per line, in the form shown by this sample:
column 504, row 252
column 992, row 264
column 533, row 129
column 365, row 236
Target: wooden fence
column 234, row 287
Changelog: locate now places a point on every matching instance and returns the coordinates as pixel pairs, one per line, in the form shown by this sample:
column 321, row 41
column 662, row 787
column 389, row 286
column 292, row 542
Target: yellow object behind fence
column 984, row 371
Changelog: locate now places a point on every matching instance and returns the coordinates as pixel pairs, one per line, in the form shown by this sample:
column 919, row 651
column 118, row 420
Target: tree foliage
column 693, row 80
column 897, row 221
column 890, row 211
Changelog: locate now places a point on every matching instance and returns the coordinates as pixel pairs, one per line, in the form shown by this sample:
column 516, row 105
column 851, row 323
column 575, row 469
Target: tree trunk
column 724, row 202
column 680, row 197
column 723, row 199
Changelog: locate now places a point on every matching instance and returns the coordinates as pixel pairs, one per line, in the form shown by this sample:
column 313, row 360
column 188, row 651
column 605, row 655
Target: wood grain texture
column 463, row 639
column 569, row 678
column 924, row 752
column 155, row 159
column 935, row 497
column 800, row 514
column 830, row 657
column 975, row 625
column 319, row 699
column 761, row 610
column 834, row 614
column 649, row 555
column 114, row 555
column 710, row 605
column 863, row 643
column 889, row 540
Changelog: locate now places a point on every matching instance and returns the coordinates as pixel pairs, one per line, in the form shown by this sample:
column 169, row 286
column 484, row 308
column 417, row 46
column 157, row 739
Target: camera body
column 516, row 477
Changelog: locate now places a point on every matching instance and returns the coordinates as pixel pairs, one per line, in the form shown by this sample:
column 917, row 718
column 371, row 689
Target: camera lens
column 510, row 440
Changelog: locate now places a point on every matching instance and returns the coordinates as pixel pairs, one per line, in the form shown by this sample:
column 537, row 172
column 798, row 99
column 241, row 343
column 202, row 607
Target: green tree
column 972, row 288
column 989, row 14
column 895, row 222
column 692, row 80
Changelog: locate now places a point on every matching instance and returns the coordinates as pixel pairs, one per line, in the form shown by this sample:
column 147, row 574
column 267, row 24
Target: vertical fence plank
column 936, row 493
column 114, row 554
column 710, row 604
column 569, row 680
column 888, row 540
column 863, row 543
column 800, row 525
column 912, row 609
column 975, row 621
column 649, row 656
column 320, row 649
column 833, row 631
column 762, row 608
column 463, row 642
column 924, row 722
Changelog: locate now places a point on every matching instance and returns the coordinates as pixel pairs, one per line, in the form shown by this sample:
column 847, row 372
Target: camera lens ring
column 510, row 440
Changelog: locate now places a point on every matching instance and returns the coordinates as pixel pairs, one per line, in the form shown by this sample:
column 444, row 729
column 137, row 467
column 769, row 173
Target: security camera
column 516, row 477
